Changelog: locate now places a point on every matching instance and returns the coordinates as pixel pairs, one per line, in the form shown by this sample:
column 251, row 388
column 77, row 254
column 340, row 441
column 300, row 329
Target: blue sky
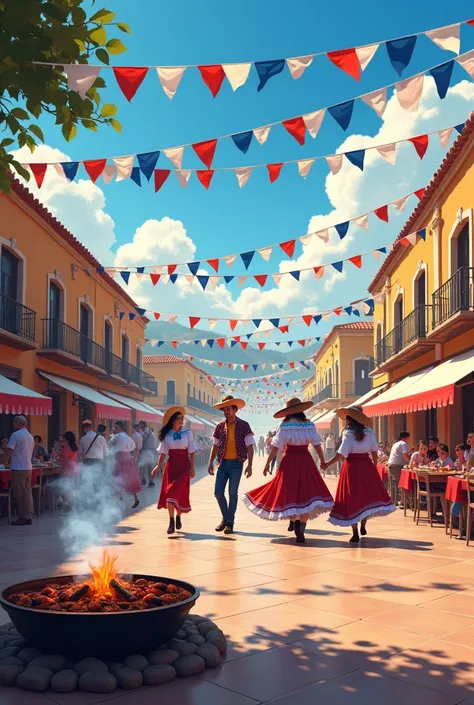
column 227, row 219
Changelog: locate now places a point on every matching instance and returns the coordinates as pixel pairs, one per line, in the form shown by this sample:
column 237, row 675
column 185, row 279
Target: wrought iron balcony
column 359, row 387
column 329, row 392
column 453, row 305
column 168, row 400
column 17, row 324
column 402, row 341
column 198, row 404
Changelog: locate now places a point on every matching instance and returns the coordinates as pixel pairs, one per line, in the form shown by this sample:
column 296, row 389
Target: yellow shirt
column 230, row 448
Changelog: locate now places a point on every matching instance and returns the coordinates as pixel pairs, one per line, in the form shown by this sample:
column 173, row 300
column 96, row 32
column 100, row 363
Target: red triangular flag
column 292, row 365
column 420, row 192
column 172, row 268
column 307, row 319
column 302, row 343
column 174, row 343
column 212, row 77
column 39, row 170
column 94, row 168
column 220, row 364
column 160, row 177
column 274, row 171
column 261, row 346
column 347, row 60
column 246, row 366
column 214, row 263
column 229, row 365
column 337, row 310
column 220, row 342
column 155, row 278
column 317, row 270
column 382, row 213
column 156, row 314
column 244, row 346
column 420, row 143
column 261, row 279
column 404, row 242
column 356, row 260
column 288, row 247
column 471, row 22
column 205, row 176
column 283, row 329
column 191, row 358
column 296, row 127
column 233, row 324
column 237, row 338
column 205, row 151
column 193, row 320
column 129, row 79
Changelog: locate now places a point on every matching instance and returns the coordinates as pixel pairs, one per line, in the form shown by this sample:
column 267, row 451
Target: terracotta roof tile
column 355, row 325
column 162, row 359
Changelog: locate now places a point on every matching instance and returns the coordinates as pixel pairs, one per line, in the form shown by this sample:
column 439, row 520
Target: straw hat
column 230, row 401
column 172, row 410
column 86, row 422
column 293, row 406
column 356, row 413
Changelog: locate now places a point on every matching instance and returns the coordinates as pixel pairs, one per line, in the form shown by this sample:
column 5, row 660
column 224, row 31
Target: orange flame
column 104, row 573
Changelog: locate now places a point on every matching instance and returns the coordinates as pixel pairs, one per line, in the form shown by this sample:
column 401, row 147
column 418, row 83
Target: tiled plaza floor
column 390, row 621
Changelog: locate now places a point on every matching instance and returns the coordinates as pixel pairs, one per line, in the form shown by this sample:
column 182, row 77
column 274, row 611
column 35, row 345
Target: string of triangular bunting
column 254, row 366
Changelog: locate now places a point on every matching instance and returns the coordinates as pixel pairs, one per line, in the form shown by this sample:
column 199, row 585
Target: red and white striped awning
column 15, row 399
column 105, row 407
column 196, row 424
column 325, row 421
column 142, row 412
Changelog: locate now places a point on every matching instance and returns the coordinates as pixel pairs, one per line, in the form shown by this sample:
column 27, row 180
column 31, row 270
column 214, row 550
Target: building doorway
column 54, row 420
column 10, row 317
column 85, row 330
column 420, row 307
column 362, row 381
column 467, row 408
column 170, row 392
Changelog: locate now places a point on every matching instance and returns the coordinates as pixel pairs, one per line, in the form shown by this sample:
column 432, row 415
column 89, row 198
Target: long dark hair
column 70, row 439
column 168, row 426
column 296, row 417
column 358, row 429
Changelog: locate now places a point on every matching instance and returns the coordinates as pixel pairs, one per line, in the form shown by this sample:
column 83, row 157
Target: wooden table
column 6, row 476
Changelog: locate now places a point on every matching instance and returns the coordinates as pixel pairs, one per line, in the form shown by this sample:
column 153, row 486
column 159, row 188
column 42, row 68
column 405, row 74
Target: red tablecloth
column 6, row 478
column 382, row 471
column 407, row 480
column 456, row 490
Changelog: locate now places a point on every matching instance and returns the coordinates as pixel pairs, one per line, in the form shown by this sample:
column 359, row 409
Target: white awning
column 318, row 416
column 142, row 413
column 152, row 409
column 206, row 422
column 370, row 395
column 105, row 407
column 15, row 399
column 325, row 420
column 196, row 424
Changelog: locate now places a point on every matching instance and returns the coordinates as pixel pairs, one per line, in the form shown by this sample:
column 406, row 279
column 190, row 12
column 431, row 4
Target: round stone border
column 198, row 645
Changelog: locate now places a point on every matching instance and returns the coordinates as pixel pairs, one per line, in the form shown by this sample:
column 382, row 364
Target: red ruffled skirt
column 126, row 473
column 296, row 489
column 360, row 492
column 176, row 481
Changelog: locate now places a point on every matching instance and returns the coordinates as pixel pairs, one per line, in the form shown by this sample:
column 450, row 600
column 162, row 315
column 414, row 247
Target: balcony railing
column 454, row 296
column 17, row 319
column 359, row 388
column 329, row 392
column 168, row 400
column 198, row 404
column 415, row 326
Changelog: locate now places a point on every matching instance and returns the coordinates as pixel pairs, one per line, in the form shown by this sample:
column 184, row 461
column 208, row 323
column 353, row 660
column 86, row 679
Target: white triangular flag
column 409, row 92
column 157, row 269
column 362, row 221
column 447, row 38
column 306, row 239
column 172, row 318
column 237, row 74
column 467, row 62
column 334, row 163
column 319, row 272
column 388, row 152
column 139, row 275
column 265, row 252
column 242, row 280
column 124, row 167
column 377, row 100
column 379, row 298
column 175, row 155
column 277, row 278
column 444, row 136
column 80, row 77
column 214, row 281
column 323, row 235
column 326, row 315
column 261, row 133
column 183, row 176
column 165, row 278
column 366, row 54
column 299, row 64
column 108, row 173
column 304, row 167
column 203, row 342
column 153, row 342
column 189, row 278
column 243, row 175
column 412, row 238
column 59, row 170
column 169, row 79
column 400, row 203
column 229, row 260
column 313, row 121
column 290, row 319
column 377, row 255
column 212, row 322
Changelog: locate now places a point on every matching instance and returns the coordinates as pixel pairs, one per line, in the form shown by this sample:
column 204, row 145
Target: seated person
column 39, row 453
column 460, row 463
column 444, row 459
column 420, row 457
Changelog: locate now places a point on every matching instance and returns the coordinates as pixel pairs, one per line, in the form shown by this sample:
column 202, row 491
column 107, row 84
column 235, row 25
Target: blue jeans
column 229, row 471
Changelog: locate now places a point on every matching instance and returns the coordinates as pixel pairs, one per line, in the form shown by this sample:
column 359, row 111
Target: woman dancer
column 179, row 445
column 360, row 492
column 297, row 492
column 125, row 470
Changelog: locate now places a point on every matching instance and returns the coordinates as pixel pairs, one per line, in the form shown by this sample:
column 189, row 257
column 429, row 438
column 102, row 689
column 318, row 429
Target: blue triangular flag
column 249, row 335
column 338, row 266
column 121, row 315
column 173, row 278
column 422, row 233
column 210, row 342
column 278, row 344
column 275, row 322
column 136, row 176
column 193, row 267
column 100, row 270
column 287, row 384
column 356, row 312
column 400, row 52
column 132, row 316
column 290, row 343
column 160, row 343
column 296, row 274
column 228, row 278
column 382, row 249
column 203, row 280
column 140, row 270
column 459, row 128
column 356, row 157
column 369, row 302
column 147, row 163
column 342, row 229
column 342, row 113
column 256, row 322
column 247, row 257
column 348, row 310
column 255, row 367
column 70, row 170
column 280, row 366
column 268, row 69
column 242, row 140
column 442, row 77
column 317, row 318
column 196, row 342
column 232, row 343
column 125, row 276
column 140, row 311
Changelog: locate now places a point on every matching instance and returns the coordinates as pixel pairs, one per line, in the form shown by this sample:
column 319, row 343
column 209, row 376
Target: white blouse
column 178, row 440
column 296, row 433
column 350, row 445
column 121, row 442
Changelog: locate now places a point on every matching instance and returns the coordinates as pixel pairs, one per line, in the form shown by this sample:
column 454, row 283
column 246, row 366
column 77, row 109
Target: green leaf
column 21, row 140
column 37, row 132
column 80, row 44
column 104, row 16
column 115, row 46
column 19, row 114
column 104, row 57
column 34, row 108
column 21, row 170
column 89, row 124
column 99, row 81
column 7, row 142
column 124, row 27
column 98, row 35
column 79, row 16
column 69, row 131
column 108, row 110
column 116, row 125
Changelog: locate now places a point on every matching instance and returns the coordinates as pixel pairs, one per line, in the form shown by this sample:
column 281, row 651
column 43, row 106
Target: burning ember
column 103, row 592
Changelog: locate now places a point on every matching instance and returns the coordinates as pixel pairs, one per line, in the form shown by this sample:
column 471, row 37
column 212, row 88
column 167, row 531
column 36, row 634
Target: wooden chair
column 470, row 507
column 7, row 494
column 424, row 477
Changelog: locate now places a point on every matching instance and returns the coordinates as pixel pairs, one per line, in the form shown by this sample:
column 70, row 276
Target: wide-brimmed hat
column 356, row 413
column 86, row 422
column 172, row 410
column 230, row 401
column 293, row 406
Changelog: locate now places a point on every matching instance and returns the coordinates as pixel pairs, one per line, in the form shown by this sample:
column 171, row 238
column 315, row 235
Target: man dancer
column 148, row 454
column 233, row 445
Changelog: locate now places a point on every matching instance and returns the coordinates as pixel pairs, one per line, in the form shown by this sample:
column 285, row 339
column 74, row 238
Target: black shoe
column 291, row 526
column 296, row 526
column 363, row 528
column 135, row 504
column 179, row 525
column 300, row 535
column 229, row 529
column 171, row 527
column 355, row 538
column 221, row 526
column 143, row 481
column 151, row 484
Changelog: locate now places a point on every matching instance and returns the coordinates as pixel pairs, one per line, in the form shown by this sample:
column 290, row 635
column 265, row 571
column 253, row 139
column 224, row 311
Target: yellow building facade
column 61, row 318
column 424, row 311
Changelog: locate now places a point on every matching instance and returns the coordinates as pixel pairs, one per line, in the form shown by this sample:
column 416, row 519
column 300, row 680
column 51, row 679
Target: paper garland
column 238, row 340
column 255, row 366
column 351, row 61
